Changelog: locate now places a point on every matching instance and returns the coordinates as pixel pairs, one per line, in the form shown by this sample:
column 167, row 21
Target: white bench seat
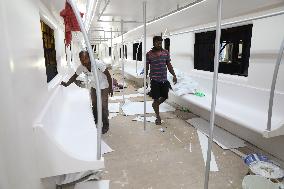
column 246, row 116
column 66, row 135
column 242, row 104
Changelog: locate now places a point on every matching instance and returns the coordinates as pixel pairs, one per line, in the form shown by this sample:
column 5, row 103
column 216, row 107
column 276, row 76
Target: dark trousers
column 105, row 113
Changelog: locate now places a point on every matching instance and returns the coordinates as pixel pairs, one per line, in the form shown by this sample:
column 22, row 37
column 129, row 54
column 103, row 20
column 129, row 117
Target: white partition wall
column 23, row 90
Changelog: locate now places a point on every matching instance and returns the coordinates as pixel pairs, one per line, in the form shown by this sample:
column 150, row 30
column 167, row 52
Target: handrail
column 214, row 91
column 273, row 84
column 98, row 92
column 230, row 23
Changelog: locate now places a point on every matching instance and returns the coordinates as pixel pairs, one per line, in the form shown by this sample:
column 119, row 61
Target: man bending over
column 105, row 85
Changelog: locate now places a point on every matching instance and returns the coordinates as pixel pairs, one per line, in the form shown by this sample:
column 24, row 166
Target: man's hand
column 175, row 79
column 64, row 84
column 110, row 91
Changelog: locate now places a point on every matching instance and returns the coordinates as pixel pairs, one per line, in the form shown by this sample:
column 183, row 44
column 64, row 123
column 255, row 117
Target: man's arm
column 71, row 80
column 171, row 70
column 109, row 79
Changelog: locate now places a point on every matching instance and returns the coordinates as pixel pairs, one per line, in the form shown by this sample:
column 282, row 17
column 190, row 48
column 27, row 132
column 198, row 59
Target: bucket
column 258, row 182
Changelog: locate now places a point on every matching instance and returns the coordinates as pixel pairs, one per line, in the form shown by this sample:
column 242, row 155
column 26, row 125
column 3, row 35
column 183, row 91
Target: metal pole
column 275, row 74
column 122, row 61
column 98, row 92
column 214, row 92
column 144, row 19
column 111, row 46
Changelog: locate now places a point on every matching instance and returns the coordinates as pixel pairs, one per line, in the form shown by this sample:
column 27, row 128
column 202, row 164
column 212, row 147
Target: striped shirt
column 158, row 64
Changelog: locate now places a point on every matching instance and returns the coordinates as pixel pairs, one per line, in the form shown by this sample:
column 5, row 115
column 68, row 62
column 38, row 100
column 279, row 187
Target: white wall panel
column 23, row 90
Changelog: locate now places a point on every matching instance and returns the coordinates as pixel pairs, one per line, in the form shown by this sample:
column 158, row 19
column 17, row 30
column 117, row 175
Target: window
column 125, row 51
column 137, row 51
column 49, row 51
column 234, row 50
column 119, row 52
column 167, row 43
column 109, row 51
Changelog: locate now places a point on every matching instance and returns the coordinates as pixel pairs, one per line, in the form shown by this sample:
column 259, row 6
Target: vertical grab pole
column 112, row 62
column 144, row 19
column 273, row 84
column 98, row 92
column 111, row 46
column 214, row 92
column 122, row 53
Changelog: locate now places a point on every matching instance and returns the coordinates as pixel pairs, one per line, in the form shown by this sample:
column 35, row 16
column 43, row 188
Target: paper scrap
column 113, row 107
column 204, row 147
column 126, row 96
column 133, row 108
column 112, row 115
column 151, row 119
column 105, row 148
column 177, row 138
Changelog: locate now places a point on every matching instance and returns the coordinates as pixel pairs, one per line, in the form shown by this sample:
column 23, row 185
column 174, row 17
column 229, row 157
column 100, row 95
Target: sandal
column 158, row 122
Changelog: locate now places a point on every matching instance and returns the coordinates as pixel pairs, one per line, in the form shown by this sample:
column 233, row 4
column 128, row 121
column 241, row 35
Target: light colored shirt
column 90, row 76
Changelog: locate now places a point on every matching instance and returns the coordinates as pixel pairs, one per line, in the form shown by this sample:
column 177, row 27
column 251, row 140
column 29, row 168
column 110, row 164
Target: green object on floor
column 183, row 109
column 200, row 94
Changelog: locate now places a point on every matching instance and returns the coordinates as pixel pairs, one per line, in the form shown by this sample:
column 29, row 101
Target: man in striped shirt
column 158, row 59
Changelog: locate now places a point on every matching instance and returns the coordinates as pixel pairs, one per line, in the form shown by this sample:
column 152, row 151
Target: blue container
column 251, row 158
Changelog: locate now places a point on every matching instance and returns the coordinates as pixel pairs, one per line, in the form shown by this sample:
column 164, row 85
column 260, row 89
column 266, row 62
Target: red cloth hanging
column 70, row 22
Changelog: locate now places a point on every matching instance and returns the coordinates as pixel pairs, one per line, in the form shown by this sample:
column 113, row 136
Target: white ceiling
column 131, row 10
column 205, row 12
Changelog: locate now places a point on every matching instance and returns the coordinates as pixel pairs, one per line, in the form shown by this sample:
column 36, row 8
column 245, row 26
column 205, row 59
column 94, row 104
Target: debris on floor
column 162, row 130
column 260, row 165
column 126, row 96
column 204, row 147
column 102, row 184
column 77, row 177
column 178, row 139
column 136, row 108
column 148, row 119
column 114, row 107
column 258, row 182
column 183, row 109
column 112, row 115
column 223, row 138
column 106, row 148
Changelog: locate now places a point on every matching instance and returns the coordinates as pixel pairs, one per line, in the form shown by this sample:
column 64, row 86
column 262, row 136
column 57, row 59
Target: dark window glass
column 49, row 51
column 234, row 50
column 137, row 51
column 167, row 44
column 125, row 51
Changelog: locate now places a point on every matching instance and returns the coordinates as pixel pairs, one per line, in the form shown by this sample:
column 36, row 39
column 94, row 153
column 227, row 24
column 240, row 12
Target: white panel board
column 223, row 138
column 204, row 147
